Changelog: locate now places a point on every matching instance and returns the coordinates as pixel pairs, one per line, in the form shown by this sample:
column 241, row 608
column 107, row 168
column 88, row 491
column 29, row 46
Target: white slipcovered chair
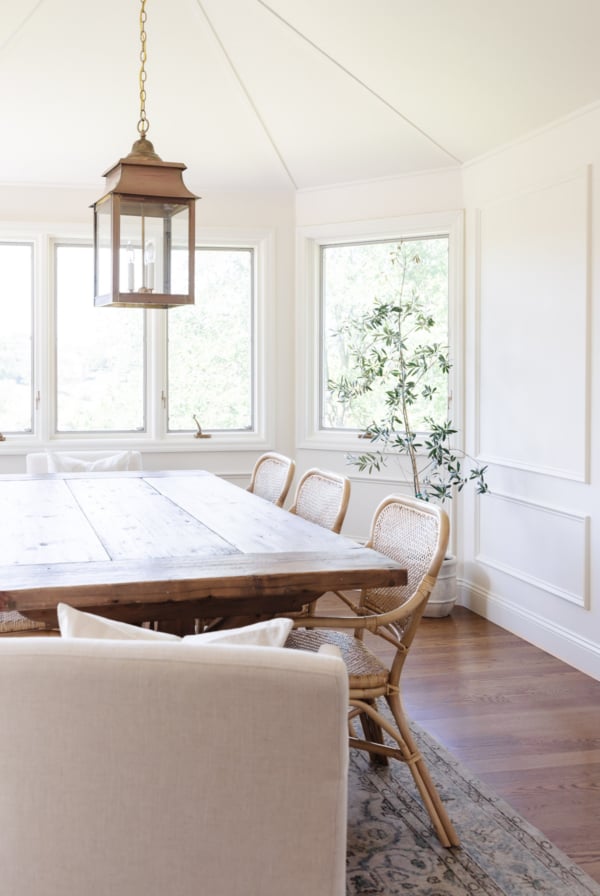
column 39, row 462
column 145, row 768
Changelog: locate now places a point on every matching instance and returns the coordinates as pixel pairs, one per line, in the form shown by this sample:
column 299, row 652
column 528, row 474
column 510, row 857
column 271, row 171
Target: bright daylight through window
column 99, row 357
column 201, row 357
column 362, row 286
column 16, row 342
column 210, row 345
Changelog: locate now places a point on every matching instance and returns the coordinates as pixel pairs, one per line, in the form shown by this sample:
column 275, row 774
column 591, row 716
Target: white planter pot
column 443, row 596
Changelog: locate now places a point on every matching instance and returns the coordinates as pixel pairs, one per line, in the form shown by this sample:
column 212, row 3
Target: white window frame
column 30, row 241
column 263, row 326
column 49, row 403
column 308, row 313
column 45, row 237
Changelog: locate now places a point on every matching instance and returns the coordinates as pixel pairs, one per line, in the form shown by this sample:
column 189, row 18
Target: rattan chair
column 415, row 534
column 13, row 622
column 271, row 477
column 322, row 498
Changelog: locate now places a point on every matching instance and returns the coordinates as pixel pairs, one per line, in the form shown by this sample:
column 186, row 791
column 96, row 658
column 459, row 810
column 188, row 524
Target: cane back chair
column 415, row 534
column 271, row 477
column 322, row 497
column 13, row 621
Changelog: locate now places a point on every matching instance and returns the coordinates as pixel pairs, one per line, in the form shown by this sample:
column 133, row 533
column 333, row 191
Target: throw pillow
column 77, row 624
column 271, row 633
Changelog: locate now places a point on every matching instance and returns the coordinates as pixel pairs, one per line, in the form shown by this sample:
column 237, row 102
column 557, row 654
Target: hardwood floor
column 525, row 723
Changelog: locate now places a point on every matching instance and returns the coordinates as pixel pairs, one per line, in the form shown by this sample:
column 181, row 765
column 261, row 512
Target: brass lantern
column 144, row 225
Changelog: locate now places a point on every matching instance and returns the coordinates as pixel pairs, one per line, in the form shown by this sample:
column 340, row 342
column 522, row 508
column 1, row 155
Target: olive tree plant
column 388, row 346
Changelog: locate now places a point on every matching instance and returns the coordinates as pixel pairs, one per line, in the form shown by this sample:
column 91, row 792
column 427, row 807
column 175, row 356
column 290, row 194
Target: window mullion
column 156, row 372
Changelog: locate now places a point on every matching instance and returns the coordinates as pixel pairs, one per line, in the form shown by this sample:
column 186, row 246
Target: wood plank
column 241, row 574
column 42, row 523
column 251, row 584
column 164, row 560
column 249, row 523
column 134, row 521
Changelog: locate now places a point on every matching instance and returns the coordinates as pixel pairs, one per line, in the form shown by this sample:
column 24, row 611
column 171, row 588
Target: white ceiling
column 286, row 94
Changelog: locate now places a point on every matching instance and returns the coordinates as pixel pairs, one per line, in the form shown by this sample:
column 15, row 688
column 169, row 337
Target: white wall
column 531, row 550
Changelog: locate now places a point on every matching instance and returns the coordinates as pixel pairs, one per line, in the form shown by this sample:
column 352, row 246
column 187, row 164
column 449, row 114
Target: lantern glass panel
column 154, row 247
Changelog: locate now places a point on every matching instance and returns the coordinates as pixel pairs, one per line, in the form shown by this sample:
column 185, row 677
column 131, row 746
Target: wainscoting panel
column 543, row 546
column 533, row 346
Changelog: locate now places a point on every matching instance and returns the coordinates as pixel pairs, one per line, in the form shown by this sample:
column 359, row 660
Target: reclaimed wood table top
column 168, row 545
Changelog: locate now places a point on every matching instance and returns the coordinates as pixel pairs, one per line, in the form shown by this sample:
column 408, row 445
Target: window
column 16, row 342
column 344, row 270
column 210, row 346
column 99, row 366
column 357, row 278
column 97, row 374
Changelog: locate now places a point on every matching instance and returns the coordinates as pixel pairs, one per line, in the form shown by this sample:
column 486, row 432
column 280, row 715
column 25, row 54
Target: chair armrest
column 369, row 620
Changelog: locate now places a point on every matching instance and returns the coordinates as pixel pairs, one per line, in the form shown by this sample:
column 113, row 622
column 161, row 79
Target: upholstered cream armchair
column 137, row 768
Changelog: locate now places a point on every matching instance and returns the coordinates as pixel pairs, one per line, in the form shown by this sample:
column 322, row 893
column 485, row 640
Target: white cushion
column 66, row 463
column 78, row 624
column 272, row 633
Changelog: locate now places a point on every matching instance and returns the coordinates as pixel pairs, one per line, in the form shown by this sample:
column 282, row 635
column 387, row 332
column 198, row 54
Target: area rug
column 392, row 848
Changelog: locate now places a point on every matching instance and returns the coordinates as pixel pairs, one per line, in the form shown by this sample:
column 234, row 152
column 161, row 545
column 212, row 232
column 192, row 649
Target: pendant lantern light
column 144, row 225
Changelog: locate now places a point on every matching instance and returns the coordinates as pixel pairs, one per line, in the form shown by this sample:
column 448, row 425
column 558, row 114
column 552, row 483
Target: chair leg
column 429, row 794
column 373, row 733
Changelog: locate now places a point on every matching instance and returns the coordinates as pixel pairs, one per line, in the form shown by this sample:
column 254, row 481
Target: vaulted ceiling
column 286, row 94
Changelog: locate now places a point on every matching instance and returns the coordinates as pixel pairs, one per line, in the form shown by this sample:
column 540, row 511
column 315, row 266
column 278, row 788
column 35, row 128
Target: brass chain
column 143, row 123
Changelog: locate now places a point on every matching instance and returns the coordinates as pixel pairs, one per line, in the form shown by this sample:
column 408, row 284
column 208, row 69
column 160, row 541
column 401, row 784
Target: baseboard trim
column 566, row 645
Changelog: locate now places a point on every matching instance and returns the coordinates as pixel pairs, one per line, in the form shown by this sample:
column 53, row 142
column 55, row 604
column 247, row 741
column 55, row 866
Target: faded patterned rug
column 392, row 848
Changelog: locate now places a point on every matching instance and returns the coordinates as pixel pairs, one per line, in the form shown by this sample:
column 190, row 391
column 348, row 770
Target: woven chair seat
column 365, row 671
column 12, row 621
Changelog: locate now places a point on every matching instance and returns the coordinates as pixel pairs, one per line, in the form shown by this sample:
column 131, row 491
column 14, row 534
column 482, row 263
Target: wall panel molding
column 532, row 268
column 537, row 544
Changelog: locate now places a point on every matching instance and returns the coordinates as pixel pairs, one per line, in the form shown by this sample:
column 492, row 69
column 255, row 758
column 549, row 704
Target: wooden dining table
column 176, row 546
